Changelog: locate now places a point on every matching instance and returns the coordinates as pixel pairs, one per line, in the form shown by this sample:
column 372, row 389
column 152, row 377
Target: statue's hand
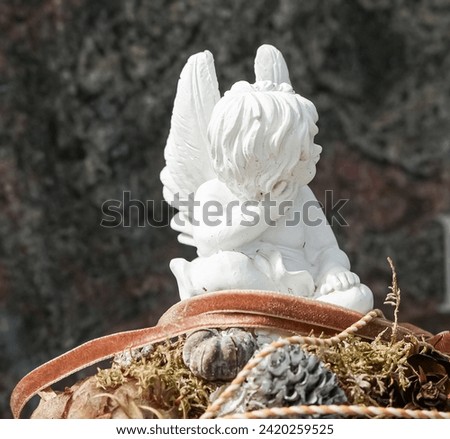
column 341, row 281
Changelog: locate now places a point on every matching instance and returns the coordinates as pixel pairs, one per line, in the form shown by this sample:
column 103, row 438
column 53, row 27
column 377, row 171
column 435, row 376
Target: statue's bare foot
column 357, row 298
column 218, row 355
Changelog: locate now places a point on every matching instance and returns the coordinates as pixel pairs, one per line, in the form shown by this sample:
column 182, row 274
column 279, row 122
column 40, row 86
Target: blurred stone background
column 86, row 91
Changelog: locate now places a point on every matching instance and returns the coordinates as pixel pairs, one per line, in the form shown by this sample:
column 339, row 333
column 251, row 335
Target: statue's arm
column 221, row 222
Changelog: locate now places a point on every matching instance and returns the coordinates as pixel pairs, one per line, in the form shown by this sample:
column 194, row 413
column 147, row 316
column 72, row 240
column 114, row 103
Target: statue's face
column 302, row 174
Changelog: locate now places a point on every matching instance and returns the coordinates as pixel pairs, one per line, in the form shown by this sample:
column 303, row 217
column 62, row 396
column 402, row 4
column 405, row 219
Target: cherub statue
column 238, row 169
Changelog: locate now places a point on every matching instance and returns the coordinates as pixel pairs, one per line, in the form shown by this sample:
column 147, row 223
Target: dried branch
column 393, row 298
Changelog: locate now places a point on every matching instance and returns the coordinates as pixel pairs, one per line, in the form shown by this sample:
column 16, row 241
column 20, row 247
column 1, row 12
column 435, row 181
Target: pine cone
column 430, row 382
column 217, row 355
column 288, row 377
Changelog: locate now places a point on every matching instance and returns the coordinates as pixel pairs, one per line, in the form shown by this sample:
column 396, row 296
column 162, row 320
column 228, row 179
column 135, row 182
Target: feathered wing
column 270, row 65
column 187, row 160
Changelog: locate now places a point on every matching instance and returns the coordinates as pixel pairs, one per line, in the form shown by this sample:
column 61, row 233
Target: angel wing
column 270, row 65
column 186, row 152
column 187, row 159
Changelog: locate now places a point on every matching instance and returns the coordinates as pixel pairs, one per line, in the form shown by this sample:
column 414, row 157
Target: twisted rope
column 215, row 407
column 340, row 411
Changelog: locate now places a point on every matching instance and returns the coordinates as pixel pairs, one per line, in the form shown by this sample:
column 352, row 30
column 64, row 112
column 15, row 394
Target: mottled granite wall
column 86, row 90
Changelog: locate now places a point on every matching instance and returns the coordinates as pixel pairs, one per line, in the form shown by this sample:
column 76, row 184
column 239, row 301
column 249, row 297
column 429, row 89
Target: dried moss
column 370, row 373
column 165, row 386
column 375, row 373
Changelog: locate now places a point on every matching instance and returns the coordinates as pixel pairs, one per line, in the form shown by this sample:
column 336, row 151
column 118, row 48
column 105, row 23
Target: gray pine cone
column 290, row 376
column 218, row 355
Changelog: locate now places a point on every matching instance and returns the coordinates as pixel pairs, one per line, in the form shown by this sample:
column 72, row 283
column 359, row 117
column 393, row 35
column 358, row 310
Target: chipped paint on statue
column 238, row 169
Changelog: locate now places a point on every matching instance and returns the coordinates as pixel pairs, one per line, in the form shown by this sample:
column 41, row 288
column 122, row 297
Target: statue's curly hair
column 251, row 143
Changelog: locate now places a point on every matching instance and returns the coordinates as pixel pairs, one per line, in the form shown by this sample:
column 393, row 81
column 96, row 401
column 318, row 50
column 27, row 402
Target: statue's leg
column 358, row 298
column 270, row 261
column 222, row 271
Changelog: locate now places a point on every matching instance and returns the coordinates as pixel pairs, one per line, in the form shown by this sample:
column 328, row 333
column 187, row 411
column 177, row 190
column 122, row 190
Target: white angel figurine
column 238, row 169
